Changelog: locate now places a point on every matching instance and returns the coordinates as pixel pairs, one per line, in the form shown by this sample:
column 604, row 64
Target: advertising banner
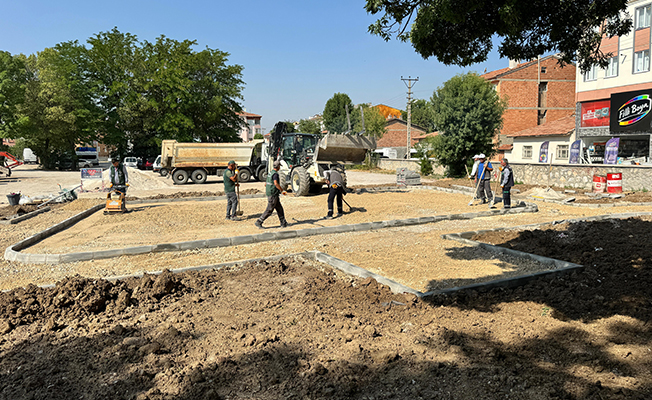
column 631, row 112
column 543, row 152
column 91, row 173
column 611, row 151
column 575, row 152
column 595, row 113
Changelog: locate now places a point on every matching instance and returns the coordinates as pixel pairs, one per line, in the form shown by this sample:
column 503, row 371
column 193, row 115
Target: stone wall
column 411, row 164
column 635, row 177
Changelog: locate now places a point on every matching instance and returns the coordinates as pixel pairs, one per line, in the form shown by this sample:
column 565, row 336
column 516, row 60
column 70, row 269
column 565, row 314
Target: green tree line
column 123, row 92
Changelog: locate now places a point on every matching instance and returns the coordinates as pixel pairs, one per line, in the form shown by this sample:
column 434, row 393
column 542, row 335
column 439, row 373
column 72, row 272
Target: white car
column 157, row 164
column 131, row 162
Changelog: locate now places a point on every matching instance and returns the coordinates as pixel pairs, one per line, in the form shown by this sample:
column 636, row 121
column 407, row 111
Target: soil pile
column 294, row 329
column 140, row 180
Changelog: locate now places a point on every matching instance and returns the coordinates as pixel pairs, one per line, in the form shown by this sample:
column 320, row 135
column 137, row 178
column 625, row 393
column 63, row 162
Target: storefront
column 623, row 123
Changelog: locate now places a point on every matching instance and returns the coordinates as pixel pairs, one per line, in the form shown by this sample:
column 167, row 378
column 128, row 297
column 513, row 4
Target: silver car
column 131, row 162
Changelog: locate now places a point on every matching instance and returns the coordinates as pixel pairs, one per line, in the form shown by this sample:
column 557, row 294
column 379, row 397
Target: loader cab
column 298, row 146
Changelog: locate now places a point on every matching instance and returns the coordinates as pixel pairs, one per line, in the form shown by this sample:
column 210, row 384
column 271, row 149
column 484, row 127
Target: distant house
column 526, row 143
column 388, row 112
column 537, row 91
column 252, row 126
column 395, row 136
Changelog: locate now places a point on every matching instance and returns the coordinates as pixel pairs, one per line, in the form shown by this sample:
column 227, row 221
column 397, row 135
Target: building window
column 643, row 17
column 562, row 151
column 542, row 117
column 642, row 61
column 612, row 68
column 591, row 74
column 543, row 70
column 527, row 151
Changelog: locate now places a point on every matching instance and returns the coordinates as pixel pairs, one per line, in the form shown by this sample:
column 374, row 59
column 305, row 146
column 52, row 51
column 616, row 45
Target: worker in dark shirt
column 273, row 191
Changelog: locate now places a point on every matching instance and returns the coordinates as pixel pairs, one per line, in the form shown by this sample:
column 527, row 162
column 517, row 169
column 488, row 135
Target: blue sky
column 296, row 54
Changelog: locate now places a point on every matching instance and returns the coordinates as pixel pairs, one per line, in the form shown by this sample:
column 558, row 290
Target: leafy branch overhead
column 461, row 32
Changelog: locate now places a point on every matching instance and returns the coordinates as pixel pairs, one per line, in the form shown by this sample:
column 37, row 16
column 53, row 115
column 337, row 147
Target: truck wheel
column 282, row 181
column 180, row 176
column 300, row 181
column 244, row 175
column 198, row 176
column 163, row 172
column 262, row 174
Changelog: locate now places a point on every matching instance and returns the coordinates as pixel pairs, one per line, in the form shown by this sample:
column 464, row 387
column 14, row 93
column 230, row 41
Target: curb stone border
column 12, row 253
column 562, row 267
column 24, row 216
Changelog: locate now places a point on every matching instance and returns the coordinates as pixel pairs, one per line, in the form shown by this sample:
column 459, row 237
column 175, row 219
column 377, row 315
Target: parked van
column 87, row 156
column 29, row 157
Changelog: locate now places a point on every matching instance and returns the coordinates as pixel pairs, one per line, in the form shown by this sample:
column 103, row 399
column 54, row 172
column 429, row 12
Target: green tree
column 309, row 126
column 374, row 122
column 422, row 114
column 335, row 111
column 289, row 126
column 59, row 111
column 425, row 151
column 468, row 113
column 461, row 32
column 13, row 81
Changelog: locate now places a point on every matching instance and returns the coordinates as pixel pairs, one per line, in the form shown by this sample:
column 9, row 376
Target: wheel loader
column 304, row 157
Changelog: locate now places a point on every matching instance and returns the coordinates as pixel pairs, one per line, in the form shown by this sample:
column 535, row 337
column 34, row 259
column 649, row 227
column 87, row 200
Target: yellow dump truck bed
column 207, row 155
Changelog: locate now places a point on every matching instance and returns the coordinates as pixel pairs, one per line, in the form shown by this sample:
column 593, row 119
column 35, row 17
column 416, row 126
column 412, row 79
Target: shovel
column 239, row 212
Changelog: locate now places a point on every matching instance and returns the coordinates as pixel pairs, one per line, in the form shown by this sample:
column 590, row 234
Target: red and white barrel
column 599, row 183
column 615, row 182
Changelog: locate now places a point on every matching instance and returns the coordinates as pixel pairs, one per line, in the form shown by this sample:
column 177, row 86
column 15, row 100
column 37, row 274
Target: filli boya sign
column 632, row 112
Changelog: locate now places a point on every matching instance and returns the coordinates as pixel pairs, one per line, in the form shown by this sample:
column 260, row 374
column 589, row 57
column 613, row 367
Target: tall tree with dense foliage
column 309, row 126
column 335, row 113
column 461, row 32
column 468, row 113
column 422, row 114
column 13, row 80
column 374, row 122
column 59, row 111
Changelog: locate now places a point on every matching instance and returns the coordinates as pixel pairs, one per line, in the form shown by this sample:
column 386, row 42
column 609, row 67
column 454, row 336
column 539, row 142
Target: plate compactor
column 116, row 204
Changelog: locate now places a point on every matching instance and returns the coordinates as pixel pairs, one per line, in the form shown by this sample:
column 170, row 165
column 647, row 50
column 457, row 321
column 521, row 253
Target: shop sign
column 631, row 111
column 595, row 113
column 575, row 152
column 543, row 152
column 611, row 151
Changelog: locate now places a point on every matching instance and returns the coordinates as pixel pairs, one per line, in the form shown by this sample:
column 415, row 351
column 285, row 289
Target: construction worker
column 230, row 179
column 484, row 180
column 335, row 189
column 273, row 190
column 118, row 175
column 506, row 182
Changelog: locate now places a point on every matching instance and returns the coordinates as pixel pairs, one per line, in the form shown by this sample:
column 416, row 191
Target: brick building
column 395, row 136
column 537, row 92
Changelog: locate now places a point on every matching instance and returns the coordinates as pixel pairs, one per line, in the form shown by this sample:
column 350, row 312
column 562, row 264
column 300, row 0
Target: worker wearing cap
column 118, row 175
column 474, row 170
column 230, row 179
column 273, row 191
column 335, row 189
column 506, row 182
column 484, row 180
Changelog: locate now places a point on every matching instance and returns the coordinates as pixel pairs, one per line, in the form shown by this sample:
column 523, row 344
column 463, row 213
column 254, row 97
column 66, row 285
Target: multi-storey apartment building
column 537, row 91
column 252, row 126
column 616, row 101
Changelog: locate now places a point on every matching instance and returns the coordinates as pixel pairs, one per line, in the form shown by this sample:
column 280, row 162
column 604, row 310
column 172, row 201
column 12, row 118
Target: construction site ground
column 297, row 329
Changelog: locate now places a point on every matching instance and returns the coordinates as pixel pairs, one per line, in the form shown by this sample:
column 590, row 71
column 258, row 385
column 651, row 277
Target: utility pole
column 408, row 82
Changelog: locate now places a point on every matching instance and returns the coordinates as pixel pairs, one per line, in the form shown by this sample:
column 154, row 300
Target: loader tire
column 180, row 177
column 199, row 175
column 300, row 182
column 282, row 181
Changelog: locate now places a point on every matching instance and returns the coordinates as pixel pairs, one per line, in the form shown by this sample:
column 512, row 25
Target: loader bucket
column 344, row 148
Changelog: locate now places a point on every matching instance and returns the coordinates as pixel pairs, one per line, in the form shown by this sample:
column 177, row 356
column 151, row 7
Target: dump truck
column 195, row 161
column 304, row 157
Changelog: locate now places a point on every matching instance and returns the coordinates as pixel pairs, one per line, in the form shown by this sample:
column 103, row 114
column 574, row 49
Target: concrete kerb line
column 12, row 253
column 561, row 267
column 24, row 216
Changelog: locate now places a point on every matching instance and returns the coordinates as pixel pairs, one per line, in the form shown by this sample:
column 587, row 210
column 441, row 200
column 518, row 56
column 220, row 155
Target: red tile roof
column 561, row 127
column 505, row 147
column 249, row 115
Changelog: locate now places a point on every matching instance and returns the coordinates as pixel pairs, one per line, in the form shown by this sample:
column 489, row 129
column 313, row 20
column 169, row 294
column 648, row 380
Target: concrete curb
column 12, row 253
column 24, row 216
column 561, row 267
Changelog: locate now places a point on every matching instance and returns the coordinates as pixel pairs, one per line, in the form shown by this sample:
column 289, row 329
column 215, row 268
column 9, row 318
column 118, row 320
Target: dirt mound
column 294, row 329
column 181, row 195
column 140, row 180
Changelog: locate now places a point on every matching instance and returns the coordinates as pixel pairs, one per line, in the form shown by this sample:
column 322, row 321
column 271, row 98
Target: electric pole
column 408, row 82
